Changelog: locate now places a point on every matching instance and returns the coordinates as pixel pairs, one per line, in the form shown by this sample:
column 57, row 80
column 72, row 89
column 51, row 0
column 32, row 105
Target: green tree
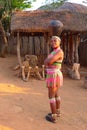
column 85, row 1
column 55, row 2
column 7, row 6
column 51, row 4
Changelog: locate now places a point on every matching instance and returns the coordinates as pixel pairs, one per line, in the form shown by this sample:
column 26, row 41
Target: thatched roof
column 73, row 7
column 31, row 21
column 73, row 16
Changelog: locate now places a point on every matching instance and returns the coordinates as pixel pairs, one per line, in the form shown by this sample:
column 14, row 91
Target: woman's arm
column 46, row 61
column 54, row 58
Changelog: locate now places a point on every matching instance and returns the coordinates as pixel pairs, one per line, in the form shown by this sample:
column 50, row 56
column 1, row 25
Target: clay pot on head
column 55, row 27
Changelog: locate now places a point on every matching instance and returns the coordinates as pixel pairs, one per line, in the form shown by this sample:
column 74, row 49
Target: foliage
column 51, row 4
column 6, row 8
column 84, row 1
column 55, row 1
column 22, row 4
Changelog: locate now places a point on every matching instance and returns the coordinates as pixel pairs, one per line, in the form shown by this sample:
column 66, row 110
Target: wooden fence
column 38, row 46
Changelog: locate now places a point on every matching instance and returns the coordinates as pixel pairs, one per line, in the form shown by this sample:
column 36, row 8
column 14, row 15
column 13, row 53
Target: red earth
column 24, row 105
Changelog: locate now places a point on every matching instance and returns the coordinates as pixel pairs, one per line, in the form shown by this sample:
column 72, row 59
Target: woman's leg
column 58, row 103
column 57, row 97
column 52, row 93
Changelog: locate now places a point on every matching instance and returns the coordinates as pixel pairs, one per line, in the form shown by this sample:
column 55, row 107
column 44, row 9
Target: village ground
column 24, row 105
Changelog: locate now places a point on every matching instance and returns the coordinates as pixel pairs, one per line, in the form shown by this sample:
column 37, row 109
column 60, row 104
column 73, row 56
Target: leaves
column 22, row 4
column 51, row 4
column 7, row 6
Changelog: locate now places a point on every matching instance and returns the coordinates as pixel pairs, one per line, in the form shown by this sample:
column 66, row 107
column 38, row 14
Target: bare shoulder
column 60, row 52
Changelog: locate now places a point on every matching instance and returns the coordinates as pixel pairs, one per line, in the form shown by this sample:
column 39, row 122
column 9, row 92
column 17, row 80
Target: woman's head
column 55, row 42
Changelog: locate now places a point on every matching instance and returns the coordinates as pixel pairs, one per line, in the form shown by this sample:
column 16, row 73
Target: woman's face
column 55, row 43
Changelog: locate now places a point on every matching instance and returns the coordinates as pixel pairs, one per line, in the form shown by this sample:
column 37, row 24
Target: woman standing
column 54, row 77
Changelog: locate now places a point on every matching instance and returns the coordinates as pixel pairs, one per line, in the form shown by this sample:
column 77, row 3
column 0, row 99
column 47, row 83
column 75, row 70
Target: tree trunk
column 18, row 49
column 4, row 40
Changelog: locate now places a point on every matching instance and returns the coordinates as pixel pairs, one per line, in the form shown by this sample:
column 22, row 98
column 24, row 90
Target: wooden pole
column 18, row 49
column 77, row 45
column 73, row 49
column 70, row 49
column 5, row 45
column 76, row 49
column 46, row 37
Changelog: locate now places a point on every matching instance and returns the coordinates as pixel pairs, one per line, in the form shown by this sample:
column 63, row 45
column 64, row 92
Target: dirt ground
column 24, row 105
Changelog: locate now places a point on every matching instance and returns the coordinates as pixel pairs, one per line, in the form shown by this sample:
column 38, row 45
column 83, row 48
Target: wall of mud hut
column 37, row 45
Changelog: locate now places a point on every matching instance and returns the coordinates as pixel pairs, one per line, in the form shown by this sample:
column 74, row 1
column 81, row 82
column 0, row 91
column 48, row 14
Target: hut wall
column 1, row 43
column 32, row 45
column 36, row 45
column 69, row 47
column 83, row 53
column 74, row 51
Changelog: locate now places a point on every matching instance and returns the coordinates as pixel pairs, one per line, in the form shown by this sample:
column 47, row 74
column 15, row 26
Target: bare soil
column 24, row 105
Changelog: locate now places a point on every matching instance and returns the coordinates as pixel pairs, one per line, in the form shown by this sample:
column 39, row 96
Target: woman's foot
column 58, row 113
column 52, row 117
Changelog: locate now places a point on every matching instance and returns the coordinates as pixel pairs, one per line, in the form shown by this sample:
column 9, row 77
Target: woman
column 54, row 77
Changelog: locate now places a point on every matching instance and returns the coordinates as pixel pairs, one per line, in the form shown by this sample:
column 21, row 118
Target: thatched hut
column 74, row 18
column 35, row 26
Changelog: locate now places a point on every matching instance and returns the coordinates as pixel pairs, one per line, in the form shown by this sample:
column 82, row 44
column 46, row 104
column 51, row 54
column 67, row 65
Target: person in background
column 54, row 77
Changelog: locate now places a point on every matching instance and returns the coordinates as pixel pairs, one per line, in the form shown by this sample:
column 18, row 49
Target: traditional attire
column 54, row 77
